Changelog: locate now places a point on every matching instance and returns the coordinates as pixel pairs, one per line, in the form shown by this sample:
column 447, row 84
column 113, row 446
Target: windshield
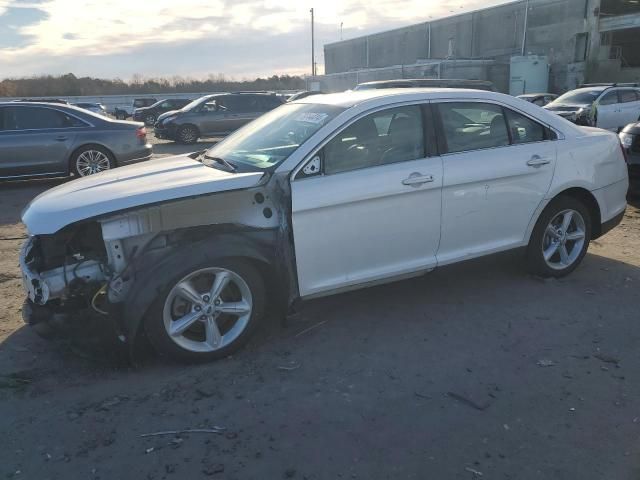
column 271, row 138
column 578, row 97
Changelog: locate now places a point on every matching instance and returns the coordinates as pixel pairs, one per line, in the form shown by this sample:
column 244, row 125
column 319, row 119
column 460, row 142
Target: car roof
column 596, row 88
column 13, row 103
column 427, row 81
column 526, row 95
column 393, row 95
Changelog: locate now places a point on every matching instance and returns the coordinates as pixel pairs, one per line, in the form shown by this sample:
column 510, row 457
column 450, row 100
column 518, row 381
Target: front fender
column 156, row 268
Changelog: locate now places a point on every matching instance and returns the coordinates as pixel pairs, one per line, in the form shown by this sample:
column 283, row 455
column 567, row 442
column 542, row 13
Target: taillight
column 624, row 152
column 141, row 133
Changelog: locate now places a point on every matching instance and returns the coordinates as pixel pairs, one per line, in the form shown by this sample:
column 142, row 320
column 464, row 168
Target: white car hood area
column 128, row 187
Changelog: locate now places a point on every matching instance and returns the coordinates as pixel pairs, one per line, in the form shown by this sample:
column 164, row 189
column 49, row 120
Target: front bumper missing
column 43, row 287
column 36, row 289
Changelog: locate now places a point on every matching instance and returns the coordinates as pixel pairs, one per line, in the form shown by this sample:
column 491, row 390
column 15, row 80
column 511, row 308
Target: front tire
column 150, row 120
column 208, row 310
column 560, row 238
column 187, row 134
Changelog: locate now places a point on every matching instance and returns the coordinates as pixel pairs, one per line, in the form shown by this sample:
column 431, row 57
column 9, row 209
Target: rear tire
column 224, row 323
column 187, row 134
column 560, row 239
column 91, row 159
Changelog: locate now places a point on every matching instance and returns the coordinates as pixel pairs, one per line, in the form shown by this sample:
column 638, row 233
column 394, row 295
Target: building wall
column 566, row 31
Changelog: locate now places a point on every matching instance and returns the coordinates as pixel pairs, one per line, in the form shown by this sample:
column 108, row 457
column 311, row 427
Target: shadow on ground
column 475, row 366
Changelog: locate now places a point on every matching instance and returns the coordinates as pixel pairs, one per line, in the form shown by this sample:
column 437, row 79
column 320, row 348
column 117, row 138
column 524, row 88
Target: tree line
column 69, row 85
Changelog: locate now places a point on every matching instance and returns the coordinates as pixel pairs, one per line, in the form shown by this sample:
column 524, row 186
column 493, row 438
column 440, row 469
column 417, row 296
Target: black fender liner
column 155, row 267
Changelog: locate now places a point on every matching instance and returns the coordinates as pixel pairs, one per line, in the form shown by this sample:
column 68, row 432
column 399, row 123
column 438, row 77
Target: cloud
column 131, row 29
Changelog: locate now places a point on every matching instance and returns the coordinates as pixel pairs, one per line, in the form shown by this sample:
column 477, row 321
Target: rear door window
column 627, row 96
column 231, row 103
column 267, row 102
column 523, row 129
column 472, row 126
column 609, row 98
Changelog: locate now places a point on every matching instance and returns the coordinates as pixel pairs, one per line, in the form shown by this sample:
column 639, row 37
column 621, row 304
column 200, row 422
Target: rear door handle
column 416, row 179
column 61, row 138
column 538, row 161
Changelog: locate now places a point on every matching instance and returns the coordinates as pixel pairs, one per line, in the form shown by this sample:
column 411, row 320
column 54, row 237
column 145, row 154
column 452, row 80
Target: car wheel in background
column 187, row 134
column 150, row 120
column 560, row 238
column 207, row 311
column 91, row 159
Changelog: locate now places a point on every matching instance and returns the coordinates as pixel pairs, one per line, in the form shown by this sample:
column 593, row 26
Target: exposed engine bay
column 93, row 263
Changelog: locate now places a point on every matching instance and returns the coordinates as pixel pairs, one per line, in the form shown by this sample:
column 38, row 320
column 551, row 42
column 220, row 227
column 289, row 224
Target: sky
column 192, row 38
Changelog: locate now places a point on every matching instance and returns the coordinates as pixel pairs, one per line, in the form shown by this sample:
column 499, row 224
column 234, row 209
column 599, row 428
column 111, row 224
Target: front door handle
column 61, row 138
column 538, row 161
column 416, row 179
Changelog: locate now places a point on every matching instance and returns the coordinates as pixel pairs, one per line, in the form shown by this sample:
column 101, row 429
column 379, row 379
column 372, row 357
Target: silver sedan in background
column 51, row 140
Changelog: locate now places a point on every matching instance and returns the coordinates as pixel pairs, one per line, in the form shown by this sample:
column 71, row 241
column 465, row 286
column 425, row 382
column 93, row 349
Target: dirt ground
column 477, row 370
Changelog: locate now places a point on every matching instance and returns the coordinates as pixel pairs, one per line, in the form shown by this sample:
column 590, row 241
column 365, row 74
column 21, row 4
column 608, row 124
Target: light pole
column 341, row 23
column 524, row 32
column 313, row 56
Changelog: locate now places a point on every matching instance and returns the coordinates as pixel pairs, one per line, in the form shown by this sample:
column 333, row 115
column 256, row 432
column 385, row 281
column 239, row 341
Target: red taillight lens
column 141, row 133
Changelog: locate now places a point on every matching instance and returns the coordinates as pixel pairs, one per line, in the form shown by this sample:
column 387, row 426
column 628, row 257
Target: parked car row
column 608, row 106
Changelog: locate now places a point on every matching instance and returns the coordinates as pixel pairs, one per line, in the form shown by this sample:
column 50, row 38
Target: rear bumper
column 611, row 223
column 612, row 201
column 140, row 156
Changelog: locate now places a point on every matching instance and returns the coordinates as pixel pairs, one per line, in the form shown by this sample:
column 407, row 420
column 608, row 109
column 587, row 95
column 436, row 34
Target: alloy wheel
column 188, row 135
column 207, row 310
column 563, row 239
column 90, row 162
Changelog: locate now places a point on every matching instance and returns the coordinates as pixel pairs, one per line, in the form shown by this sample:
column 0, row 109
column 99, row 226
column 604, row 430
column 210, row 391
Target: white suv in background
column 604, row 106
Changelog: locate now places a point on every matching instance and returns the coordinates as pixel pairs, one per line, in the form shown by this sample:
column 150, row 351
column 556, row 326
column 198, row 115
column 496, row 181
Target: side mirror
column 312, row 167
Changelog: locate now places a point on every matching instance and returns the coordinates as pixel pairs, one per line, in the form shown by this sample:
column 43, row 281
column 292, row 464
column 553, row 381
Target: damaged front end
column 63, row 269
column 77, row 268
column 113, row 264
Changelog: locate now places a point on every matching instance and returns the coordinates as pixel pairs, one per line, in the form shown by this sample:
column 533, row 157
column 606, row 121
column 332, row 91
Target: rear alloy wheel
column 150, row 120
column 560, row 239
column 91, row 160
column 187, row 134
column 207, row 313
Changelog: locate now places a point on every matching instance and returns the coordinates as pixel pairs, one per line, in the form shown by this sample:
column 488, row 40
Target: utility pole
column 313, row 55
column 524, row 31
column 341, row 23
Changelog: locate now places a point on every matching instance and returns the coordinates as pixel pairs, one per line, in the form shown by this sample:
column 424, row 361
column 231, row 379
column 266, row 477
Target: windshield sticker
column 310, row 117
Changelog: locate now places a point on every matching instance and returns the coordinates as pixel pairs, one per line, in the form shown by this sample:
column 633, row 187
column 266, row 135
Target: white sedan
column 321, row 195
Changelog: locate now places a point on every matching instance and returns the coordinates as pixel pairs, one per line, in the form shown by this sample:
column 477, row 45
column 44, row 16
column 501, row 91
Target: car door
column 608, row 110
column 210, row 117
column 629, row 107
column 35, row 140
column 498, row 165
column 241, row 109
column 366, row 206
